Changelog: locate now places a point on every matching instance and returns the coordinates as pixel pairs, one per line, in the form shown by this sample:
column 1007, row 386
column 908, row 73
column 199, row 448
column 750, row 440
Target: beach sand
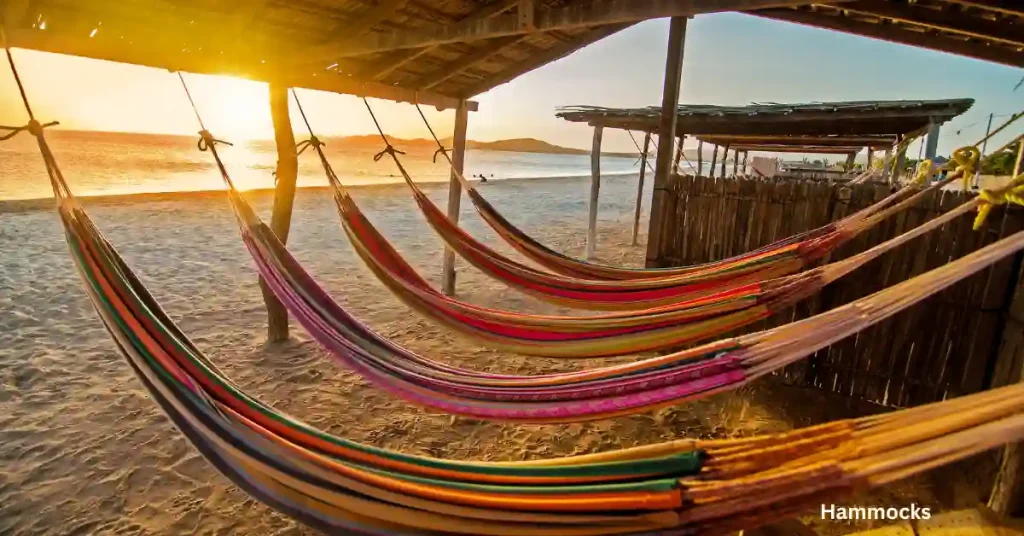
column 83, row 450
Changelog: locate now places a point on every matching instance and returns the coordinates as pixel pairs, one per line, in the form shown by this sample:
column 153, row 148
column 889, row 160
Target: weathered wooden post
column 455, row 193
column 640, row 187
column 286, row 176
column 735, row 162
column 595, row 188
column 725, row 154
column 848, row 166
column 745, row 155
column 700, row 157
column 871, row 155
column 714, row 160
column 666, row 130
column 679, row 154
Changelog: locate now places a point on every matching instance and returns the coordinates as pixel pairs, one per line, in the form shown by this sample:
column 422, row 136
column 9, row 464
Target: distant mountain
column 518, row 145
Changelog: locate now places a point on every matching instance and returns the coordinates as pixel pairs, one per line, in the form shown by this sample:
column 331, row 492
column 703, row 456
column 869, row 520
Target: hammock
column 591, row 336
column 781, row 258
column 680, row 487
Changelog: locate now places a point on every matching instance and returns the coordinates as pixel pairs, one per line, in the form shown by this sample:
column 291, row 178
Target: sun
column 233, row 108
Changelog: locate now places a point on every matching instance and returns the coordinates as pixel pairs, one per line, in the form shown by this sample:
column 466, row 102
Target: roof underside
column 776, row 127
column 441, row 51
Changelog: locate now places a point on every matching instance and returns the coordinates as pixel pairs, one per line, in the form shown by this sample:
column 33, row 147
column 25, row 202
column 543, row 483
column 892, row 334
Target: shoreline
column 17, row 206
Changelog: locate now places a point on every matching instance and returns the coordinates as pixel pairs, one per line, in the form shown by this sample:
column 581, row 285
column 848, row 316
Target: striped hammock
column 681, row 487
column 595, row 336
column 603, row 292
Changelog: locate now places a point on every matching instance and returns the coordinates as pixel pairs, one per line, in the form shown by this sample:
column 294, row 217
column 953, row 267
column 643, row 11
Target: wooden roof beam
column 173, row 59
column 945, row 21
column 469, row 61
column 542, row 58
column 351, row 32
column 598, row 12
column 823, row 141
column 812, row 149
column 892, row 34
column 1003, row 7
column 492, row 9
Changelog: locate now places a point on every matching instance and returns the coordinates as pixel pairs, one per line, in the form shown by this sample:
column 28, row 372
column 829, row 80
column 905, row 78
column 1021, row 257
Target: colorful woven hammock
column 784, row 257
column 682, row 487
column 593, row 336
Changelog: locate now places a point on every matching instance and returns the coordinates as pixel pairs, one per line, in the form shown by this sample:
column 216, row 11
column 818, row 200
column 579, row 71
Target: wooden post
column 848, row 167
column 679, row 154
column 725, row 154
column 700, row 157
column 714, row 160
column 666, row 131
column 640, row 187
column 897, row 168
column 455, row 193
column 886, row 164
column 595, row 188
column 745, row 155
column 871, row 155
column 735, row 162
column 284, row 194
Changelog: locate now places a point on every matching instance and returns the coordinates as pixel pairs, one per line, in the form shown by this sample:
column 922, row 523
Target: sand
column 84, row 451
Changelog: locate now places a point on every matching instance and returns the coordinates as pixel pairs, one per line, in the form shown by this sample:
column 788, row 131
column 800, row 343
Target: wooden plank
column 455, row 194
column 946, row 21
column 474, row 58
column 585, row 15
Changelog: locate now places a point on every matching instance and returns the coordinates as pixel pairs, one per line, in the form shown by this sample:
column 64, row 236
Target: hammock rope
column 681, row 487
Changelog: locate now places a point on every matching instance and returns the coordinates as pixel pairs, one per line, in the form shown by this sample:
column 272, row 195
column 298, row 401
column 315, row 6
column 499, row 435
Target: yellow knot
column 966, row 159
column 924, row 172
column 990, row 198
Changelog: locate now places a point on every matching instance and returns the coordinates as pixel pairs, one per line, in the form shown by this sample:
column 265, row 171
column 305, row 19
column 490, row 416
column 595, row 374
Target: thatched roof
column 843, row 125
column 434, row 51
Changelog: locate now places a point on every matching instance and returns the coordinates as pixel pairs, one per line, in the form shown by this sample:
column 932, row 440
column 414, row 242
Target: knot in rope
column 991, row 198
column 924, row 172
column 313, row 141
column 440, row 150
column 33, row 127
column 207, row 141
column 390, row 149
column 966, row 159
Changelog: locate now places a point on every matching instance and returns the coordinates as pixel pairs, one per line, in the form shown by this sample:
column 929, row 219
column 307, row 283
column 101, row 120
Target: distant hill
column 518, row 145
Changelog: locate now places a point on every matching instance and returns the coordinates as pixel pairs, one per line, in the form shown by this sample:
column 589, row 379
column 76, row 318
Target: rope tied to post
column 988, row 199
column 389, row 149
column 313, row 142
column 924, row 172
column 440, row 150
column 966, row 159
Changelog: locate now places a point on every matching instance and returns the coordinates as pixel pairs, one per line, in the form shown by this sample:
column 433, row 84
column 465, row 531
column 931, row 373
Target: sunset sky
column 730, row 59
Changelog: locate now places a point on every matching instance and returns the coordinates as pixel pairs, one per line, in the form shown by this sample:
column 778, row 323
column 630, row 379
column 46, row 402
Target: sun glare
column 232, row 108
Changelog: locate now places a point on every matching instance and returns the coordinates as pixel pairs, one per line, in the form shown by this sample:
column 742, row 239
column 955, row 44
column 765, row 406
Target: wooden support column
column 745, row 155
column 700, row 157
column 714, row 160
column 848, row 167
column 595, row 189
column 640, row 187
column 871, row 155
column 666, row 131
column 455, row 193
column 735, row 162
column 725, row 154
column 284, row 194
column 886, row 164
column 897, row 168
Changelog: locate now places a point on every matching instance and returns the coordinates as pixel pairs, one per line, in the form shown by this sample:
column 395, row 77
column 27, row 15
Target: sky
column 730, row 59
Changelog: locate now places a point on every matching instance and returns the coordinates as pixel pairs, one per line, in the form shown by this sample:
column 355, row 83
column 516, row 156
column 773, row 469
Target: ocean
column 99, row 163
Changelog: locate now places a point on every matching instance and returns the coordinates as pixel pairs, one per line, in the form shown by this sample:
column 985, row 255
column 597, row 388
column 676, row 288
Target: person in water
column 482, row 178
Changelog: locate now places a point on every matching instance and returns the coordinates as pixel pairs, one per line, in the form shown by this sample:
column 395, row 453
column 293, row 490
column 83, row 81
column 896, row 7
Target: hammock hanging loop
column 206, row 141
column 390, row 149
column 924, row 172
column 33, row 127
column 440, row 150
column 313, row 142
column 966, row 159
column 1013, row 193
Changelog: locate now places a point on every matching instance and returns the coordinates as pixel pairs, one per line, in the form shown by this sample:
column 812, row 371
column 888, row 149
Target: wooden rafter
column 1008, row 31
column 157, row 54
column 895, row 34
column 598, row 12
column 351, row 32
column 470, row 60
column 823, row 141
column 542, row 58
column 811, row 149
column 405, row 57
column 1003, row 7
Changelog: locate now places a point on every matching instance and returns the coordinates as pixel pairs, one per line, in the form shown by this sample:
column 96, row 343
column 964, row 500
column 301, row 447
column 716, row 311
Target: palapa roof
column 839, row 127
column 441, row 51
